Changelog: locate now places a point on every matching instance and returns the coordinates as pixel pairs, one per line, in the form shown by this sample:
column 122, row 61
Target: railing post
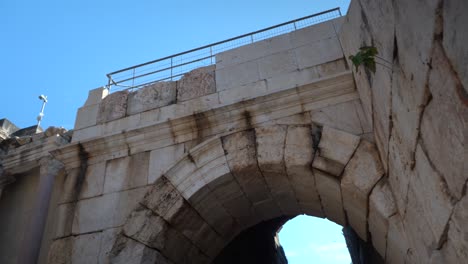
column 251, row 38
column 211, row 54
column 133, row 78
column 171, row 67
column 295, row 26
column 339, row 10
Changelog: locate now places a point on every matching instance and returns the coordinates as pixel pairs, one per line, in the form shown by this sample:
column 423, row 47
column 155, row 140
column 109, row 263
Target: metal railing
column 174, row 66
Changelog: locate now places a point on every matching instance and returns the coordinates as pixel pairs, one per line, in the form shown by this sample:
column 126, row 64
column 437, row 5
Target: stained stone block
column 335, row 149
column 151, row 96
column 343, row 117
column 355, row 187
column 329, row 190
column 161, row 159
column 128, row 172
column 113, row 107
column 196, row 83
column 381, row 207
column 134, row 252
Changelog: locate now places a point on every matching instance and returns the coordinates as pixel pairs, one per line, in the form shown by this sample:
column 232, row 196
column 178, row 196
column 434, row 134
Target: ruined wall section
column 417, row 104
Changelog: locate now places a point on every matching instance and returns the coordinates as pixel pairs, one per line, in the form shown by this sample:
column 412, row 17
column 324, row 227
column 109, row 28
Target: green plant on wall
column 365, row 57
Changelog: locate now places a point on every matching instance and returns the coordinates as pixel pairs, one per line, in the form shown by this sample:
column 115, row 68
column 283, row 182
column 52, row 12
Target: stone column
column 5, row 179
column 34, row 230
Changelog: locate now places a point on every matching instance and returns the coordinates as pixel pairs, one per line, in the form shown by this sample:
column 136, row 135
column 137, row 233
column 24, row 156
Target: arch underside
column 229, row 183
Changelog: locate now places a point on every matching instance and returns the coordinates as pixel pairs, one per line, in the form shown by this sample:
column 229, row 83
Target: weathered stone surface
column 86, row 248
column 335, row 149
column 457, row 243
column 298, row 157
column 430, row 195
column 276, row 64
column 95, row 96
column 270, row 156
column 126, row 173
column 397, row 242
column 150, row 97
column 86, row 116
column 306, row 57
column 242, row 161
column 108, row 239
column 109, row 210
column 161, row 159
column 113, row 107
column 445, row 117
column 328, row 187
column 343, row 117
column 356, row 188
column 129, row 251
column 454, row 26
column 381, row 207
column 60, row 251
column 65, row 213
column 196, row 83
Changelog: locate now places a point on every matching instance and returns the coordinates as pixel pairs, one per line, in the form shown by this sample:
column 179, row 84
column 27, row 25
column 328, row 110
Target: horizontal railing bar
column 224, row 41
column 165, row 69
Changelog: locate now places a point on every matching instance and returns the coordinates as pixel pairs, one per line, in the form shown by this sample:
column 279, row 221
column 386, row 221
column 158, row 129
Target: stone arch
column 231, row 182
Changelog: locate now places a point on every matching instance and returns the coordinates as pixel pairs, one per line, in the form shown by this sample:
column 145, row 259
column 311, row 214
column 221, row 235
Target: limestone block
column 381, row 97
column 445, row 117
column 297, row 119
column 319, row 52
column 270, row 155
column 60, row 251
column 108, row 239
column 109, row 210
column 244, row 92
column 86, row 248
column 414, row 36
column 126, row 173
column 292, row 79
column 207, row 205
column 359, row 177
column 75, row 249
column 420, row 240
column 399, row 167
column 196, row 83
column 329, row 190
column 161, row 159
column 87, row 133
column 230, row 195
column 86, row 116
column 94, row 181
column 343, row 117
column 253, row 51
column 298, row 156
column 454, row 40
column 134, row 252
column 312, row 34
column 335, row 149
column 381, row 207
column 113, row 107
column 331, row 68
column 458, row 231
column 151, row 96
column 237, row 75
column 241, row 157
column 153, row 231
column 190, row 107
column 162, row 197
column 397, row 242
column 277, row 64
column 95, row 96
column 430, row 195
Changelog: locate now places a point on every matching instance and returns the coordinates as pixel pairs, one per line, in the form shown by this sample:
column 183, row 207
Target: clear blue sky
column 64, row 48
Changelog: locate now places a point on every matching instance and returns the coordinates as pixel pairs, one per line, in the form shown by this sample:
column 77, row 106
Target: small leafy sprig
column 366, row 57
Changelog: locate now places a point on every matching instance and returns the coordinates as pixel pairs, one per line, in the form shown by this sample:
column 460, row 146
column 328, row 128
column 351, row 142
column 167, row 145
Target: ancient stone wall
column 417, row 104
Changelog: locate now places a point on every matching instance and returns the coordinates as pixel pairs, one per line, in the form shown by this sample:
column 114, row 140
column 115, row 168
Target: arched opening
column 307, row 239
